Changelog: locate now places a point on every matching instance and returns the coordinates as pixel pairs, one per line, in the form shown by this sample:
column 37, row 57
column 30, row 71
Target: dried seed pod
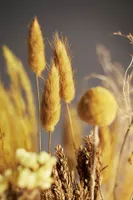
column 97, row 107
column 63, row 62
column 36, row 48
column 50, row 108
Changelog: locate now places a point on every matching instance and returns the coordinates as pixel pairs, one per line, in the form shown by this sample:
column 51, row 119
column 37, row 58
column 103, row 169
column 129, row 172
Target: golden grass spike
column 97, row 107
column 13, row 65
column 19, row 80
column 24, row 115
column 7, row 144
column 50, row 106
column 36, row 48
column 63, row 63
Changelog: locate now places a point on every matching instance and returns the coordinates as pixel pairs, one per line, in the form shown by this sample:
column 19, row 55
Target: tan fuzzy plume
column 63, row 62
column 50, row 107
column 36, row 48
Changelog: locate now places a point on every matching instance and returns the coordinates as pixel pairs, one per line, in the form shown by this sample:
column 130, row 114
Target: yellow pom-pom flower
column 97, row 107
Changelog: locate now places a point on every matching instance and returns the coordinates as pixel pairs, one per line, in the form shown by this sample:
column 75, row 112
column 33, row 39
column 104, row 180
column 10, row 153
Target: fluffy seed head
column 63, row 62
column 36, row 49
column 50, row 108
column 97, row 107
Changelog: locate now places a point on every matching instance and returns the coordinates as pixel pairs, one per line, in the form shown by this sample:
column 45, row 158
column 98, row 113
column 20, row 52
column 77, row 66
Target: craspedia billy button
column 97, row 107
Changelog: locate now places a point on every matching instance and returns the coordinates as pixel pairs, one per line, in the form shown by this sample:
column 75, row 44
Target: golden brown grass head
column 97, row 107
column 63, row 63
column 36, row 48
column 50, row 107
column 18, row 125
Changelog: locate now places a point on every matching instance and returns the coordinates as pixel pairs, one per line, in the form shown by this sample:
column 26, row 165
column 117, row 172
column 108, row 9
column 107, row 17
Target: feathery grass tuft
column 36, row 48
column 63, row 63
column 51, row 106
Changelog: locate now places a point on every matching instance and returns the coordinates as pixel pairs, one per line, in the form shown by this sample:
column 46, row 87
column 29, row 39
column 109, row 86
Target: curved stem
column 125, row 137
column 121, row 151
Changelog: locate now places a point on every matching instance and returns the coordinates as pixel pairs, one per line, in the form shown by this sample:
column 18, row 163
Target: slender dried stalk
column 93, row 173
column 71, row 125
column 49, row 142
column 36, row 59
column 125, row 137
column 39, row 110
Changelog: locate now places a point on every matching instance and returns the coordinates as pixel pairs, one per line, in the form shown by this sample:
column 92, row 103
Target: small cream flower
column 47, row 184
column 27, row 159
column 44, row 173
column 41, row 163
column 43, row 157
column 26, row 179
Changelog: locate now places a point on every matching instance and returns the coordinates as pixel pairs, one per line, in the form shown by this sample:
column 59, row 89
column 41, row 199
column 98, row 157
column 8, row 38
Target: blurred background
column 85, row 23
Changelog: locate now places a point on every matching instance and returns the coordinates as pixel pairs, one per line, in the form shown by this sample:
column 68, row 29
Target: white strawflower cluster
column 33, row 171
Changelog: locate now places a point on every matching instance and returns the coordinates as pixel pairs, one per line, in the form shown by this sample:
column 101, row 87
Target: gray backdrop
column 86, row 24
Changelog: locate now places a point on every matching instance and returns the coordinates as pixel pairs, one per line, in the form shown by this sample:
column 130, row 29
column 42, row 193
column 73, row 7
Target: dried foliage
column 17, row 114
column 98, row 167
column 66, row 186
column 119, row 172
